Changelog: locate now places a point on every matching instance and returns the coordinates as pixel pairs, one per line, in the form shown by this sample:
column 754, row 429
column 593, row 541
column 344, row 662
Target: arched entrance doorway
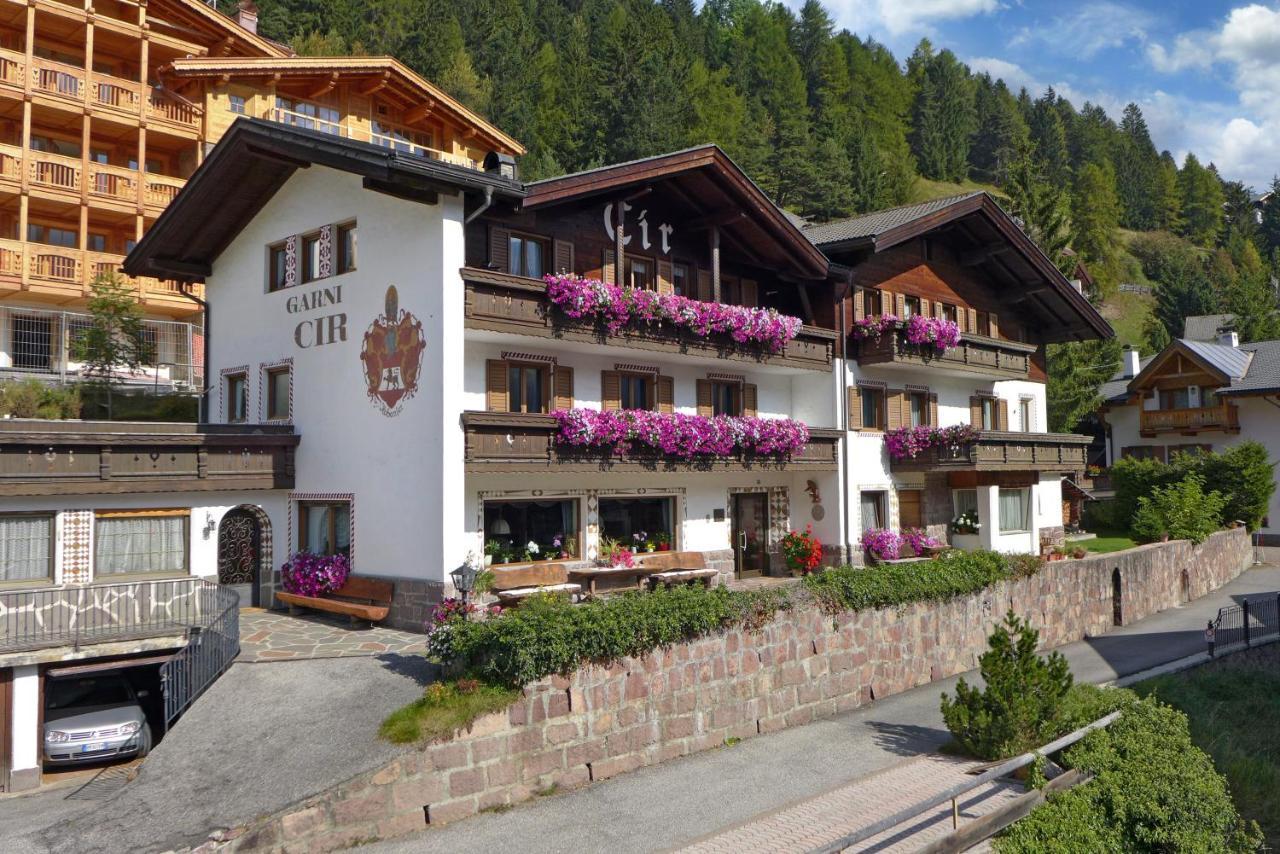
column 244, row 545
column 1117, row 599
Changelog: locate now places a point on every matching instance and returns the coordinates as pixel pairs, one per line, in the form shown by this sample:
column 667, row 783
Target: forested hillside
column 830, row 123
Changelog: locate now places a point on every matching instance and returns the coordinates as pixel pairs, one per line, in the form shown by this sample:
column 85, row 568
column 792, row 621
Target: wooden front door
column 750, row 532
column 910, row 508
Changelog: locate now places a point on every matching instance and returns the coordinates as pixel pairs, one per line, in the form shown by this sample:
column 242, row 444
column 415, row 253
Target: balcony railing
column 51, row 458
column 1225, row 416
column 165, row 107
column 102, row 180
column 522, row 442
column 113, row 182
column 11, row 163
column 55, row 171
column 500, row 302
column 1004, row 451
column 12, row 65
column 116, row 93
column 341, row 128
column 57, row 79
column 72, row 272
column 161, row 190
column 975, row 355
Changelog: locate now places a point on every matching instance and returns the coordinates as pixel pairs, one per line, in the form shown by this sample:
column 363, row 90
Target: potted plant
column 640, row 542
column 492, row 549
column 802, row 551
column 531, row 550
column 965, row 530
column 568, row 547
column 881, row 544
column 1079, row 552
column 663, row 540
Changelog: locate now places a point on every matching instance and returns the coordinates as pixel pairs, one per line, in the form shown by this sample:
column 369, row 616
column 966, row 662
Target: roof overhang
column 721, row 188
column 1044, row 285
column 379, row 74
column 253, row 161
column 202, row 16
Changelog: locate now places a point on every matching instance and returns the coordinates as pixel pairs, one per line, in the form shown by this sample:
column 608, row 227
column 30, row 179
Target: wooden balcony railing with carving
column 68, row 274
column 976, row 354
column 1004, row 451
column 1225, row 417
column 522, row 442
column 501, row 302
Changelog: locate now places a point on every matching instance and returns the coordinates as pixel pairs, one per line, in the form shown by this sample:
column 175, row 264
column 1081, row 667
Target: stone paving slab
column 277, row 636
column 816, row 821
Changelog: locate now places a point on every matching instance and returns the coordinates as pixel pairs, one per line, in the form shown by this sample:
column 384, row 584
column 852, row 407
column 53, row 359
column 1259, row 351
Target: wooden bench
column 360, row 599
column 515, row 584
column 671, row 568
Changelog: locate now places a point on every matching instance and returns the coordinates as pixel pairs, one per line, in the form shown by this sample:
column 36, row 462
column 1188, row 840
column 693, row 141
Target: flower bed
column 307, row 574
column 905, row 443
column 920, row 331
column 682, row 436
column 883, row 544
column 618, row 307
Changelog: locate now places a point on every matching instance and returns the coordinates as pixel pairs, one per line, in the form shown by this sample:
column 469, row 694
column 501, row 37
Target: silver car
column 90, row 718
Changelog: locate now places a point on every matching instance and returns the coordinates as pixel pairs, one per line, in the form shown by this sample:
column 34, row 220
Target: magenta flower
column 619, row 307
column 882, row 543
column 905, row 443
column 919, row 330
column 307, row 574
column 677, row 435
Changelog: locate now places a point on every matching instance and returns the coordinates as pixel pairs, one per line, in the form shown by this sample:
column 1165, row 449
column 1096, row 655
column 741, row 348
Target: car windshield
column 99, row 691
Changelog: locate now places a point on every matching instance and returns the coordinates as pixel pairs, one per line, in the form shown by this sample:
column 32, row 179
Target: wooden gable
column 1177, row 367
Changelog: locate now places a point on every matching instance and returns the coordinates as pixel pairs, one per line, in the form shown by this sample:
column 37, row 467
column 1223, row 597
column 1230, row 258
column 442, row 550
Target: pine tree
column 1201, row 194
column 1167, row 202
column 1001, row 133
column 943, row 114
column 1050, row 140
column 1076, row 374
column 1251, row 297
column 1041, row 210
column 1269, row 227
column 1136, row 166
column 1095, row 216
column 1091, row 137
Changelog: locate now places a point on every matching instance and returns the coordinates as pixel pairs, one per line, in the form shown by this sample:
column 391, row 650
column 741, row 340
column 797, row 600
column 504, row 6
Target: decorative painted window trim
column 295, row 512
column 718, row 376
column 263, row 368
column 327, row 265
column 536, row 358
column 222, row 389
column 628, row 368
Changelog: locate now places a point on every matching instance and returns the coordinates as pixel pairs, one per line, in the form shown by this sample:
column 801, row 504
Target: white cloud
column 1089, row 29
column 906, row 17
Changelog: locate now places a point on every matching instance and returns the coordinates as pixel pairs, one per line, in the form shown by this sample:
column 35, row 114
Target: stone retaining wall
column 603, row 721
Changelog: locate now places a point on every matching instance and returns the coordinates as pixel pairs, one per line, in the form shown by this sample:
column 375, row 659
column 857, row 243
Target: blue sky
column 1206, row 73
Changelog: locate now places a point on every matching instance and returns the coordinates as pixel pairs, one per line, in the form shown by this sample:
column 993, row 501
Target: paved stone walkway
column 817, row 821
column 277, row 636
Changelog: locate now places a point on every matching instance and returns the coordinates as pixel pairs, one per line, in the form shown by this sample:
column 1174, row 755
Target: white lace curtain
column 1015, row 506
column 140, row 544
column 26, row 548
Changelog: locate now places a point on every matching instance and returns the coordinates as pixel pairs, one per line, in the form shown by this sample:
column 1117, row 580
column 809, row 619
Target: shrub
column 1132, row 479
column 1154, row 791
column 952, row 574
column 1018, row 708
column 1244, row 476
column 1105, row 515
column 1181, row 510
column 33, row 399
column 1023, row 565
column 802, row 550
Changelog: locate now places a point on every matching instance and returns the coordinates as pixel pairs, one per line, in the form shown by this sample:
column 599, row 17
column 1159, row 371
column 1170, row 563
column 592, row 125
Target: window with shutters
column 346, row 248
column 636, row 391
column 918, row 401
column 874, row 411
column 277, row 266
column 528, row 388
column 726, row 398
column 525, row 255
column 237, row 390
column 310, row 257
column 910, row 307
column 950, row 312
column 984, row 323
column 1025, row 411
column 640, row 274
column 681, row 282
column 872, row 303
column 989, row 419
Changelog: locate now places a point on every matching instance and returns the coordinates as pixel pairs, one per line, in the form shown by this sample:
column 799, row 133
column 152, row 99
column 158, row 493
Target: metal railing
column 1248, row 623
column 209, row 651
column 42, row 343
column 100, row 613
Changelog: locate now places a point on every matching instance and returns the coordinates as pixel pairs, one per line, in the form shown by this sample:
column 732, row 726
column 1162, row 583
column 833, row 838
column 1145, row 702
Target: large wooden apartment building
column 107, row 107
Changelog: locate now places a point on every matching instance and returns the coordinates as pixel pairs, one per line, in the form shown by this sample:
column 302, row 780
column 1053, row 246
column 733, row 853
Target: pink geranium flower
column 678, row 435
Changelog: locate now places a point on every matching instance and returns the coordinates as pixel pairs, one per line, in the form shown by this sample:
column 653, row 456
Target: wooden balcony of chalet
column 1004, row 451
column 501, row 302
column 46, row 458
column 1224, row 417
column 522, row 442
column 976, row 354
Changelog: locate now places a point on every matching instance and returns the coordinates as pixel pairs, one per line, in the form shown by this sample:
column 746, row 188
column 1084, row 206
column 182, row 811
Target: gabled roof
column 252, row 162
column 1232, row 362
column 1205, row 327
column 194, row 14
column 704, row 181
column 381, row 73
column 1263, row 374
column 1116, row 389
column 1018, row 269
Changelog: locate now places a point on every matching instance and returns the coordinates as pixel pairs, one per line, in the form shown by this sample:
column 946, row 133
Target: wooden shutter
column 704, row 286
column 499, row 248
column 937, row 310
column 750, row 293
column 666, row 395
column 1002, row 414
column 564, row 256
column 564, row 388
column 495, row 385
column 975, row 412
column 924, row 307
column 994, row 323
column 933, row 409
column 859, row 305
column 607, row 272
column 900, row 305
column 665, row 276
column 854, row 400
column 893, row 407
column 972, row 315
column 705, row 406
column 610, row 390
column 750, row 404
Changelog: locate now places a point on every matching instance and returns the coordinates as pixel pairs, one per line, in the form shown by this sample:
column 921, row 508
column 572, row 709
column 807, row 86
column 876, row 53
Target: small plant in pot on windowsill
column 663, row 541
column 493, row 552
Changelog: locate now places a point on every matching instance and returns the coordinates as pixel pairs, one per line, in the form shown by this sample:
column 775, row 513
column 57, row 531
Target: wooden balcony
column 977, row 354
column 13, row 65
column 520, row 442
column 168, row 110
column 57, row 80
column 1224, row 417
column 66, row 178
column 51, row 458
column 500, row 302
column 61, row 275
column 1002, row 451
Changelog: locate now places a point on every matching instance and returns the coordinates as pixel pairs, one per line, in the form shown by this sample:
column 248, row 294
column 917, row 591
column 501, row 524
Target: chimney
column 1078, row 285
column 1129, row 363
column 247, row 15
column 1228, row 338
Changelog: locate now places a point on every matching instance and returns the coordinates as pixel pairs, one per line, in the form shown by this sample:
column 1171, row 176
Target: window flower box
column 918, row 330
column 905, row 443
column 681, row 436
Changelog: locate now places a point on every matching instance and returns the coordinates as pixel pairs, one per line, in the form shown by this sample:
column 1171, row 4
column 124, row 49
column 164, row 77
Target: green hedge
column 34, row 399
column 1153, row 791
column 547, row 635
column 1241, row 474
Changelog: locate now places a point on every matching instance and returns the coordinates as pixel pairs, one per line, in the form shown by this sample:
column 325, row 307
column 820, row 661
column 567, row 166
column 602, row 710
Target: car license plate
column 93, row 747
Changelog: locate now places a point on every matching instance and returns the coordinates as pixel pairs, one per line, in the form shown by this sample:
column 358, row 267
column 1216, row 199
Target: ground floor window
column 1015, row 511
column 137, row 542
column 324, row 527
column 639, row 523
column 965, row 501
column 26, row 547
column 874, row 509
column 543, row 529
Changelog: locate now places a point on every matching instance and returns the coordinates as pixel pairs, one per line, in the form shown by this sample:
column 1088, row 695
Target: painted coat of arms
column 392, row 356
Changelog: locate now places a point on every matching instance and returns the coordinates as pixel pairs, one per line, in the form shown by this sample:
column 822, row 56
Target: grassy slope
column 1107, row 541
column 1235, row 717
column 923, row 190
